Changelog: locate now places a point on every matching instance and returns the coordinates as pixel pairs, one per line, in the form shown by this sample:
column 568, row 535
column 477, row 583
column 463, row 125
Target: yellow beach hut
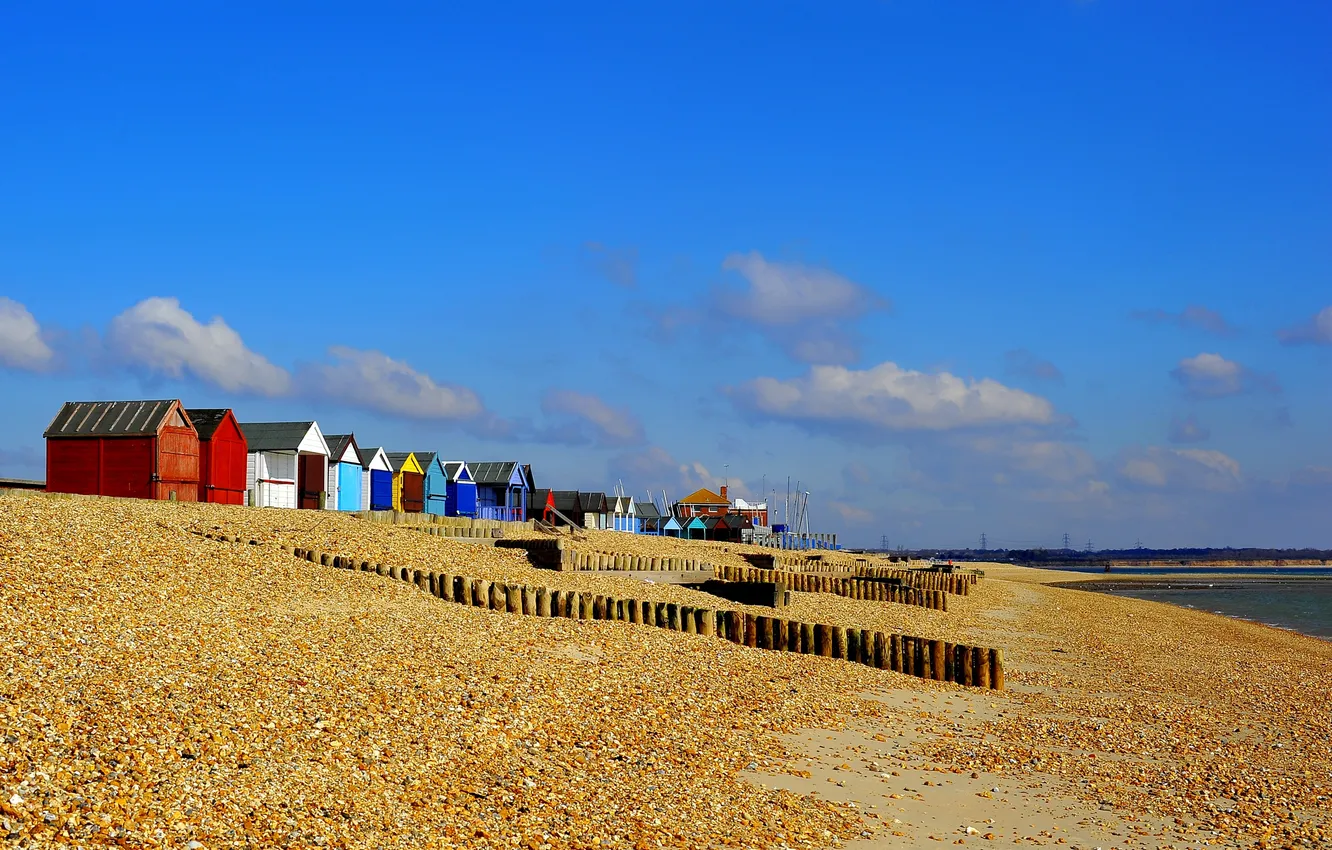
column 408, row 482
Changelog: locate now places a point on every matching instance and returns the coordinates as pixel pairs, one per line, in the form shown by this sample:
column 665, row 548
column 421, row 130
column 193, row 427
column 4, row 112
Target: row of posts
column 572, row 559
column 922, row 657
column 872, row 590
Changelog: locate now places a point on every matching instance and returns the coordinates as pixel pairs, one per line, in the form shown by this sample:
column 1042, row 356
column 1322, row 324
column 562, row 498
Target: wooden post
column 895, row 653
column 950, row 664
column 967, row 669
column 543, row 601
column 997, row 669
column 823, row 640
column 852, row 644
column 793, row 637
column 599, row 607
column 926, row 659
column 499, row 596
column 735, row 627
column 708, row 622
column 937, row 664
column 673, row 616
column 751, row 631
column 480, row 593
column 881, row 659
column 838, row 642
column 513, row 599
column 763, row 632
column 982, row 677
column 807, row 643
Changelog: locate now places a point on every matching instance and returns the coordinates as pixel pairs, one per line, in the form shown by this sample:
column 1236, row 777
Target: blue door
column 462, row 499
column 381, row 490
column 349, row 486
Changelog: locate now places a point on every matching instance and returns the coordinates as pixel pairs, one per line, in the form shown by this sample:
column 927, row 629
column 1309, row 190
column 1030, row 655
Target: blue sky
column 1022, row 269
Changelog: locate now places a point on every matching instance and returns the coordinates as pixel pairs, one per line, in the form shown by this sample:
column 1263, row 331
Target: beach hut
column 541, row 505
column 594, row 509
column 135, row 449
column 376, row 480
column 694, row 528
column 436, row 483
column 624, row 515
column 670, row 527
column 502, row 489
column 566, row 506
column 461, row 495
column 222, row 451
column 287, row 464
column 345, row 473
column 734, row 528
column 649, row 518
column 408, row 483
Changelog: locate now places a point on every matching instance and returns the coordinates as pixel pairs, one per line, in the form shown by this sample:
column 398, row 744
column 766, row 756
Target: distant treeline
column 1104, row 556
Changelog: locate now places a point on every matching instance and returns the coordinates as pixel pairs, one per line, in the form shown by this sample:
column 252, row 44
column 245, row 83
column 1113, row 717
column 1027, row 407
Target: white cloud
column 803, row 309
column 1316, row 331
column 592, row 420
column 374, row 381
column 791, row 293
column 1160, row 468
column 21, row 343
column 1194, row 316
column 159, row 336
column 655, row 469
column 890, row 398
column 1213, row 376
column 852, row 513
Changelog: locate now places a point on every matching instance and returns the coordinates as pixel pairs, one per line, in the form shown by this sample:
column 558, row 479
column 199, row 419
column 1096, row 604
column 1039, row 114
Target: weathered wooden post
column 937, row 663
column 838, row 642
column 997, row 669
column 968, row 678
column 807, row 643
column 982, row 661
column 543, row 601
column 852, row 644
column 751, row 630
column 513, row 599
column 881, row 659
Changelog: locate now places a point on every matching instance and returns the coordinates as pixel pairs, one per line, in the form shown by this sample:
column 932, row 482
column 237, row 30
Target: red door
column 309, row 481
column 413, row 492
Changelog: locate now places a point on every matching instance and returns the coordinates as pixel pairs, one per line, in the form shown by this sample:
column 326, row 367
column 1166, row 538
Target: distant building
column 757, row 512
column 502, row 489
column 287, row 464
column 376, row 480
column 345, row 473
column 460, row 499
column 408, row 483
column 703, row 502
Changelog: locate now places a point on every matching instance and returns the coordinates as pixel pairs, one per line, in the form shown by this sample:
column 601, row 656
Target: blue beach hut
column 670, row 527
column 502, row 489
column 345, row 471
column 376, row 480
column 695, row 529
column 460, row 496
column 436, row 483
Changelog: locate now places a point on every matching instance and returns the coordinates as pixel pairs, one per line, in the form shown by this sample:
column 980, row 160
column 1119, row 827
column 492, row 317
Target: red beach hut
column 222, row 456
column 135, row 449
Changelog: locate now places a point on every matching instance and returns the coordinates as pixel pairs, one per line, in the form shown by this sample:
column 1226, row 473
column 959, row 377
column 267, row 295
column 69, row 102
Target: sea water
column 1302, row 606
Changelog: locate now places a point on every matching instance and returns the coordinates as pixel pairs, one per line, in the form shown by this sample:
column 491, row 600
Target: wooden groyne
column 925, row 658
column 868, row 589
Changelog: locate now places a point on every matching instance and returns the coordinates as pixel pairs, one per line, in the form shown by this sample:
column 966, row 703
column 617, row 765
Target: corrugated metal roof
column 275, row 436
column 368, row 455
column 337, row 445
column 109, row 418
column 647, row 510
column 492, row 472
column 566, row 501
column 206, row 420
column 451, row 469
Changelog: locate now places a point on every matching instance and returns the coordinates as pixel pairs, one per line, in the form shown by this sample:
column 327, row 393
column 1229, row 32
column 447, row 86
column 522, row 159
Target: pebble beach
column 162, row 689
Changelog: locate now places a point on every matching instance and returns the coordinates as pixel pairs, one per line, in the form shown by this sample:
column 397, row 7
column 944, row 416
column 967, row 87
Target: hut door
column 309, row 481
column 413, row 492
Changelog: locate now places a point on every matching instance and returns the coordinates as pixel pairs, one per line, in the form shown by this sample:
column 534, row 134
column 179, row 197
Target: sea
column 1299, row 599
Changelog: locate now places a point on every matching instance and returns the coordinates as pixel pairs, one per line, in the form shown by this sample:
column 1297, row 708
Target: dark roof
column 710, row 522
column 426, row 458
column 594, row 502
column 337, row 444
column 397, row 459
column 737, row 521
column 452, row 468
column 109, row 418
column 566, row 501
column 527, row 474
column 368, row 455
column 647, row 510
column 491, row 472
column 538, row 499
column 274, row 436
column 206, row 419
